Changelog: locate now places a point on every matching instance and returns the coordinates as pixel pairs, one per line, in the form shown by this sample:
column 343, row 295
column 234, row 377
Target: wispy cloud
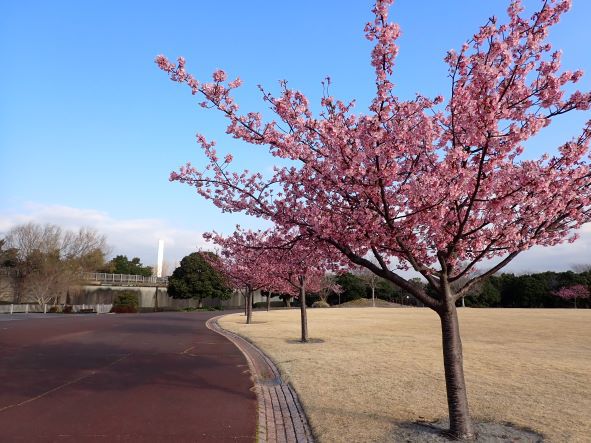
column 136, row 237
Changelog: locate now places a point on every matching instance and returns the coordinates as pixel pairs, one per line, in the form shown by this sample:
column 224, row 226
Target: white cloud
column 557, row 258
column 136, row 237
column 139, row 237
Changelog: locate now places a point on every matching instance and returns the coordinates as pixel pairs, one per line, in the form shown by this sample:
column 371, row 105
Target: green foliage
column 122, row 265
column 353, row 286
column 386, row 290
column 528, row 290
column 488, row 296
column 197, row 278
column 126, row 302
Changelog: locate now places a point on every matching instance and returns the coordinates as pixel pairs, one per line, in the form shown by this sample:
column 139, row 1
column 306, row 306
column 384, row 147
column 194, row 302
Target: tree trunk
column 463, row 303
column 575, row 302
column 249, row 307
column 268, row 301
column 156, row 300
column 460, row 422
column 373, row 297
column 303, row 312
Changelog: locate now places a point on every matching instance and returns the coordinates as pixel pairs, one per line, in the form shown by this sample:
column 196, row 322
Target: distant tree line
column 47, row 260
column 41, row 262
column 536, row 290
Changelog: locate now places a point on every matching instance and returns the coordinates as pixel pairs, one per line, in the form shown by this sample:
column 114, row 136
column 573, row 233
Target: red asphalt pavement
column 127, row 377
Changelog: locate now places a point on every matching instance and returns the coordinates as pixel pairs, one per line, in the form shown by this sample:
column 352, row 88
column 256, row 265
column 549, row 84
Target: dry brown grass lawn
column 377, row 368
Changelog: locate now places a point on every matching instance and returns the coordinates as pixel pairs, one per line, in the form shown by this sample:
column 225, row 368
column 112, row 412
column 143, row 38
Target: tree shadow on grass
column 294, row 341
column 486, row 432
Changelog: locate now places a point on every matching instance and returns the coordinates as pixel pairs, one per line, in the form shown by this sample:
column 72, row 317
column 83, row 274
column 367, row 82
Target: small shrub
column 54, row 309
column 67, row 309
column 126, row 302
column 86, row 311
column 320, row 304
column 188, row 309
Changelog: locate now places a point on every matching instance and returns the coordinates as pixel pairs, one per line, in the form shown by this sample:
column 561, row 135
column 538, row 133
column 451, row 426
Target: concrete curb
column 281, row 416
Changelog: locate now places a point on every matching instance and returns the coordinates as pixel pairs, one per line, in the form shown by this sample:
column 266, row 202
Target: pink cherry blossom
column 436, row 185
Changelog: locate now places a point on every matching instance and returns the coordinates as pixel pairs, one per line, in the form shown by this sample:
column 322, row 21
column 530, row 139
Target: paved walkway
column 134, row 377
column 281, row 417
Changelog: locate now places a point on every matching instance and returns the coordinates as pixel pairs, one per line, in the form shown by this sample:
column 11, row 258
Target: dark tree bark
column 249, row 306
column 303, row 312
column 460, row 422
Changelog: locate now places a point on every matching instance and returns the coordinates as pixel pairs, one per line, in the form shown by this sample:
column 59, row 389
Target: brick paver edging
column 281, row 416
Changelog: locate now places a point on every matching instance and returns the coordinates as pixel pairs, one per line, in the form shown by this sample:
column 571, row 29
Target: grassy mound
column 366, row 303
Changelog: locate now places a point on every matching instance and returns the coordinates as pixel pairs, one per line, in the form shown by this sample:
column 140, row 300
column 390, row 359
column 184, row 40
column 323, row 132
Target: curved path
column 125, row 377
column 281, row 416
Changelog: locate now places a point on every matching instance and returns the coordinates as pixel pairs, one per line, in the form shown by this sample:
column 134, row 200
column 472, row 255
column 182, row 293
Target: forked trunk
column 249, row 306
column 303, row 312
column 460, row 422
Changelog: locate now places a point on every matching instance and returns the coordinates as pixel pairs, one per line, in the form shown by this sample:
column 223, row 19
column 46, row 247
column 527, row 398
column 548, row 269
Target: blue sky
column 90, row 128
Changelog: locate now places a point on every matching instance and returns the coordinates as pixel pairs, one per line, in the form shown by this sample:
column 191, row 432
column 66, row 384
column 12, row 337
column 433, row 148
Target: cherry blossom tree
column 245, row 268
column 573, row 292
column 431, row 184
column 288, row 263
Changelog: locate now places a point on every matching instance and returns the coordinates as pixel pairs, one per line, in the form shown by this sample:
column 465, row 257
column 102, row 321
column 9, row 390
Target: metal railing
column 103, row 277
column 31, row 308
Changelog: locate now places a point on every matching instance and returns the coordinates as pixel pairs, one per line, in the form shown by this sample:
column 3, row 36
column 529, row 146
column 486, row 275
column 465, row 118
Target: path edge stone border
column 281, row 417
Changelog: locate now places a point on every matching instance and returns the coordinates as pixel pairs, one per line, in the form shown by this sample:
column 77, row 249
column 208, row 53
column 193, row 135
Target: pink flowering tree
column 245, row 268
column 431, row 184
column 288, row 263
column 573, row 293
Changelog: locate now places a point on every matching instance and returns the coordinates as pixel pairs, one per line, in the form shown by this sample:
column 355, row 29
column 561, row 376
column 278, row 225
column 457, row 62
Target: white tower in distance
column 160, row 258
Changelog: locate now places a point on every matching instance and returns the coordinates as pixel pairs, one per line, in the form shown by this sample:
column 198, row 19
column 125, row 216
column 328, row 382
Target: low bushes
column 320, row 304
column 126, row 302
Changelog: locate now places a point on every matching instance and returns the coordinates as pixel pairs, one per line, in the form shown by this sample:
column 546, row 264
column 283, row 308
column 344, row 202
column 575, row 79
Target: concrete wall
column 103, row 294
column 147, row 297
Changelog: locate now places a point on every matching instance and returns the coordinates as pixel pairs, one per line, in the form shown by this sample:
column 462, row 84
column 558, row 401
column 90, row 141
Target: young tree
column 418, row 183
column 290, row 264
column 572, row 293
column 197, row 278
column 245, row 267
column 370, row 278
column 328, row 286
